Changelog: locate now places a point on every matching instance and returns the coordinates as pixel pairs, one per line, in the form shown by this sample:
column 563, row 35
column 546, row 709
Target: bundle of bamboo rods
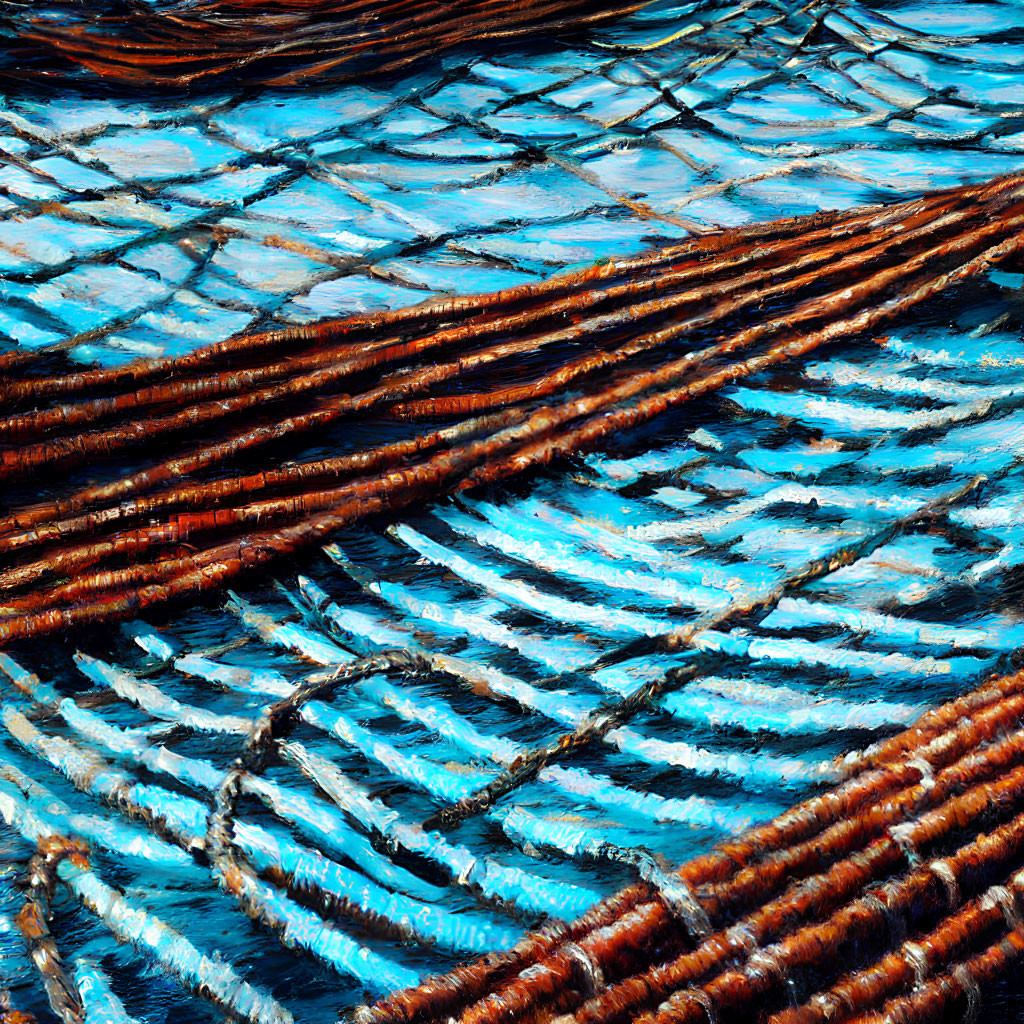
column 282, row 42
column 33, row 923
column 842, row 881
column 594, row 354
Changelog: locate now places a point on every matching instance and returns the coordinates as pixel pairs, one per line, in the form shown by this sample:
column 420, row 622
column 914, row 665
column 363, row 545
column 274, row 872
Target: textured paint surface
column 139, row 225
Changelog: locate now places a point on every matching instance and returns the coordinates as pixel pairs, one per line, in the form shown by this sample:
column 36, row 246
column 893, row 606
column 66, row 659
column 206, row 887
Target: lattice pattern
column 133, row 227
column 504, row 606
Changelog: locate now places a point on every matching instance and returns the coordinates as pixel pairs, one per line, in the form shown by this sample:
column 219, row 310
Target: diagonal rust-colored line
column 609, row 717
column 543, row 434
column 742, row 243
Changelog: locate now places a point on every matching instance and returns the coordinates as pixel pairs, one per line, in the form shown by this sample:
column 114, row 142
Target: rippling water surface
column 140, row 225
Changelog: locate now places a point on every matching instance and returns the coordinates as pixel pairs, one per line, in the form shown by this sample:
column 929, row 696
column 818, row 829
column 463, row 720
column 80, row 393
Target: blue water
column 143, row 225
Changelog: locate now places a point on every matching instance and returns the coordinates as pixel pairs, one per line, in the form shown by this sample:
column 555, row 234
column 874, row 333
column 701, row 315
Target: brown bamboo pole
column 359, row 355
column 196, row 495
column 332, row 366
column 912, row 962
column 150, row 477
column 178, row 467
column 537, row 450
column 959, row 986
column 306, row 336
column 433, row 475
column 923, row 892
column 933, row 723
column 100, row 582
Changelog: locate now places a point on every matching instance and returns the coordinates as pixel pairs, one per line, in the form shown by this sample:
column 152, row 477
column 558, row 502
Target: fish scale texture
column 131, row 229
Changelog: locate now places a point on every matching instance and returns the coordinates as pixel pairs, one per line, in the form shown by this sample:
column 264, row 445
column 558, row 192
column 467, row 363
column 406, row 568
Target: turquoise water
column 135, row 225
column 145, row 225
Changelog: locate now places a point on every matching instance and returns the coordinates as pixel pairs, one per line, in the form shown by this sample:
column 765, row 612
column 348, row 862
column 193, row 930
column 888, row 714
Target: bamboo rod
column 543, row 443
column 302, row 337
column 324, row 370
column 633, row 911
column 178, row 49
column 911, row 964
column 195, row 495
column 811, row 248
column 925, row 891
column 956, row 988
